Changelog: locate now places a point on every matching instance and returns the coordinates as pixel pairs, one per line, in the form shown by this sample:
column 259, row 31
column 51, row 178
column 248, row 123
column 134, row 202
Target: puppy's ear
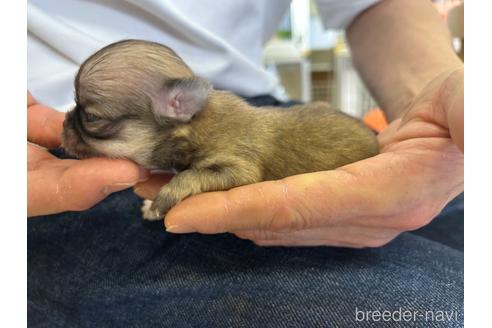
column 180, row 99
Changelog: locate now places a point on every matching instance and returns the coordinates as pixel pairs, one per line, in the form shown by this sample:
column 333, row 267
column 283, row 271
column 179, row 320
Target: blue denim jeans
column 106, row 267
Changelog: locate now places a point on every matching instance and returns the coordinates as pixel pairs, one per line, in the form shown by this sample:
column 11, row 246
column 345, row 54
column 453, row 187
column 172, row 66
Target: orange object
column 376, row 120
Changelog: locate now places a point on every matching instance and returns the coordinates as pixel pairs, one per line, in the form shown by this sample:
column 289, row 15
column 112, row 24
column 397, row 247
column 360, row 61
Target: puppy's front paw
column 148, row 213
column 166, row 199
column 161, row 205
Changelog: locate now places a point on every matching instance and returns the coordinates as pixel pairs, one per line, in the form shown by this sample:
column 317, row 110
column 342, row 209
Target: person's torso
column 221, row 40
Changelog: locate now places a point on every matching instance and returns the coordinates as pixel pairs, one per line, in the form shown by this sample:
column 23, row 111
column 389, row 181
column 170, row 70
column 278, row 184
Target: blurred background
column 315, row 64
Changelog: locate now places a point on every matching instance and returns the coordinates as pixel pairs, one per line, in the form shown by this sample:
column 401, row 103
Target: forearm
column 398, row 47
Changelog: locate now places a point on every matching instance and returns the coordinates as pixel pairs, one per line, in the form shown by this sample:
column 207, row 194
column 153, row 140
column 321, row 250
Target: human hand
column 364, row 204
column 55, row 185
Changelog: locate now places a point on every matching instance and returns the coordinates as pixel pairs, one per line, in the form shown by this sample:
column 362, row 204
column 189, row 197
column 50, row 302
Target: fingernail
column 178, row 229
column 144, row 174
column 172, row 228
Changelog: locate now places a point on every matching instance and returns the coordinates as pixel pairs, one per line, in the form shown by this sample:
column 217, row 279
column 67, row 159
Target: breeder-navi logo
column 405, row 315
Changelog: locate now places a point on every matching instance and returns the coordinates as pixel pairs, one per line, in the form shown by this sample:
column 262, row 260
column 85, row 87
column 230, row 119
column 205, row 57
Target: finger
column 303, row 243
column 293, row 203
column 37, row 155
column 150, row 188
column 44, row 125
column 79, row 185
column 349, row 236
column 320, row 242
column 89, row 181
column 359, row 235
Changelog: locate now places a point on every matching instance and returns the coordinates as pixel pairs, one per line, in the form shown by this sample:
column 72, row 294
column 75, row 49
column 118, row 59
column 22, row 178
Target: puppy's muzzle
column 72, row 137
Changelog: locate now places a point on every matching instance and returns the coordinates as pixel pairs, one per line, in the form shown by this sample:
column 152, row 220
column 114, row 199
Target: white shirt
column 220, row 40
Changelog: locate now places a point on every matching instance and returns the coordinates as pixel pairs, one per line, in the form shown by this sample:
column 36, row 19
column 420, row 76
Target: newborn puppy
column 138, row 100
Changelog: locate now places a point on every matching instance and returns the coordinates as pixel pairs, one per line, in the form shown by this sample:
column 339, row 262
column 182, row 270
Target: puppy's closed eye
column 90, row 118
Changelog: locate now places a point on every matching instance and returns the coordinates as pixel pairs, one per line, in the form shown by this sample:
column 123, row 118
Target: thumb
column 73, row 185
column 44, row 125
column 90, row 181
column 293, row 203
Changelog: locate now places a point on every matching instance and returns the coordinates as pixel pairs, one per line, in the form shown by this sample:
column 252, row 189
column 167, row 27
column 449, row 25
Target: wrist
column 418, row 84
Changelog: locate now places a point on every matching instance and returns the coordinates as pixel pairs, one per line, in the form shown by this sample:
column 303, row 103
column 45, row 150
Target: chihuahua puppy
column 138, row 100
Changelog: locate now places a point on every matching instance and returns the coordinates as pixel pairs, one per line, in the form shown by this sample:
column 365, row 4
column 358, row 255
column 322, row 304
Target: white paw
column 147, row 213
